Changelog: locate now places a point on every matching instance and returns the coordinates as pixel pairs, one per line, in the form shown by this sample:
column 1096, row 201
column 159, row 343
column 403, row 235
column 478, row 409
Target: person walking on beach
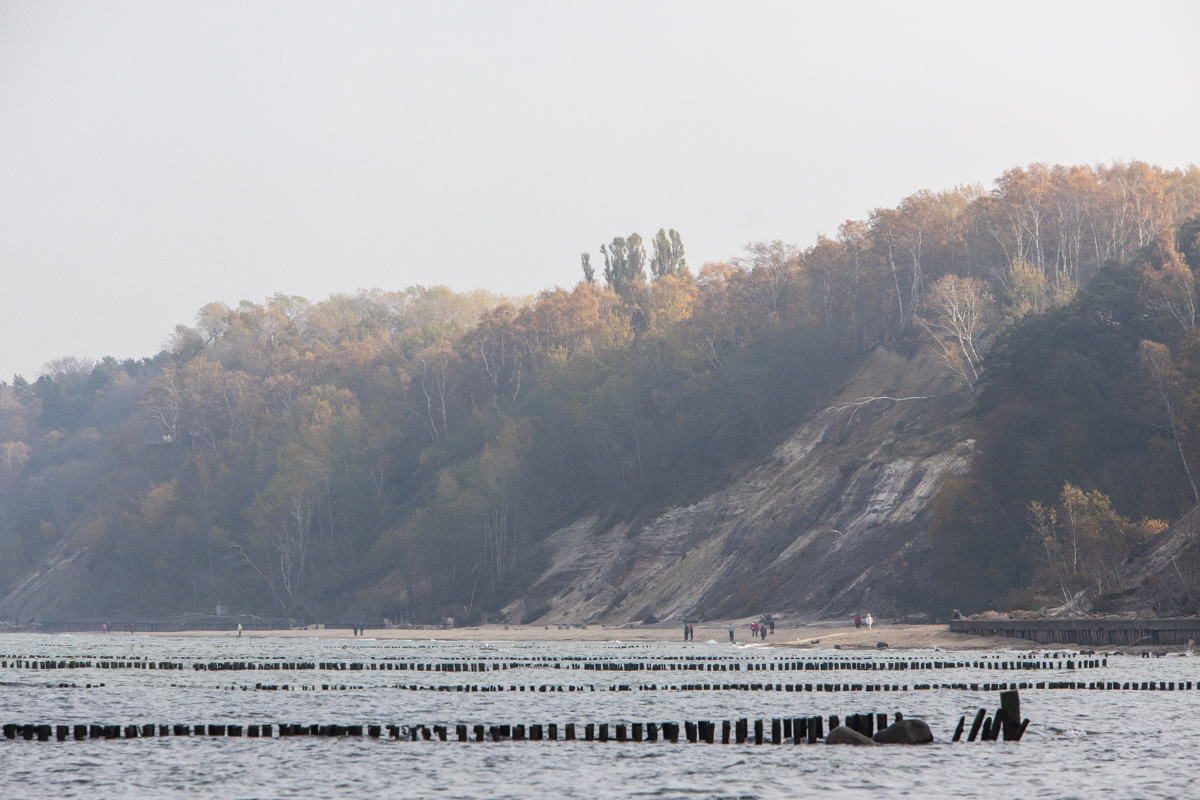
column 239, row 629
column 685, row 632
column 131, row 627
column 692, row 632
column 858, row 621
column 753, row 630
column 731, row 633
column 772, row 624
column 106, row 627
column 870, row 622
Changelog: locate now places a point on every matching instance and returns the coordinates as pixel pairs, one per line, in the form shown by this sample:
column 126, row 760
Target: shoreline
column 803, row 637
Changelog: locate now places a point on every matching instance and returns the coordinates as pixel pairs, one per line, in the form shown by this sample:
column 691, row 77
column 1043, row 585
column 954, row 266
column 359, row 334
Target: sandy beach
column 817, row 636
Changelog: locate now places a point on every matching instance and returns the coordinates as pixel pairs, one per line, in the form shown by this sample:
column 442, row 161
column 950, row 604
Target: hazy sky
column 158, row 156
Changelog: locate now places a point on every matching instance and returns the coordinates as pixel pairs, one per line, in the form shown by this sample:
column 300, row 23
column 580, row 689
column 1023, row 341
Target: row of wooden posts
column 699, row 665
column 777, row 687
column 799, row 730
column 1006, row 721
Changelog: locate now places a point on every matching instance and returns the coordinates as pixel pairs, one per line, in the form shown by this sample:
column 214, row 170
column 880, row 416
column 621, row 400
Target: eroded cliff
column 836, row 521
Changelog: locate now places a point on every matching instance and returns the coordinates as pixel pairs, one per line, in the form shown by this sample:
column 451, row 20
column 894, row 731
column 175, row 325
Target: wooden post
column 637, row 731
column 553, row 731
column 1010, row 706
column 958, row 731
column 570, row 732
column 758, row 731
column 776, row 732
column 725, row 732
column 976, row 725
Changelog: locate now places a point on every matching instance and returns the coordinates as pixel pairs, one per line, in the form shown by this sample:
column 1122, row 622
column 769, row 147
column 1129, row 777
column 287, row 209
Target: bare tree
column 959, row 309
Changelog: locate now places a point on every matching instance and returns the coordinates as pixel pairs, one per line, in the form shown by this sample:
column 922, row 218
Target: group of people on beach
column 757, row 629
column 689, row 632
column 858, row 621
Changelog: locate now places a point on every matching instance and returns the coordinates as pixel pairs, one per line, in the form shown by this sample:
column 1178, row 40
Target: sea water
column 1080, row 743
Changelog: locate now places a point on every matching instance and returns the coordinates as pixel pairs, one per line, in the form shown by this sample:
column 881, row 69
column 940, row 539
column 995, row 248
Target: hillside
column 835, row 521
column 976, row 399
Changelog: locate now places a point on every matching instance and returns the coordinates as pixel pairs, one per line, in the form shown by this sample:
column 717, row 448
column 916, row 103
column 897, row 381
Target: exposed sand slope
column 836, row 521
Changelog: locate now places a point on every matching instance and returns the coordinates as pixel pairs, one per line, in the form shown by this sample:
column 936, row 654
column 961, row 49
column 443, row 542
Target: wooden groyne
column 795, row 730
column 1134, row 633
column 711, row 664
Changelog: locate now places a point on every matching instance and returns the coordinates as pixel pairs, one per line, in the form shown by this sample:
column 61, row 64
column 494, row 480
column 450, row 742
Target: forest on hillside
column 402, row 454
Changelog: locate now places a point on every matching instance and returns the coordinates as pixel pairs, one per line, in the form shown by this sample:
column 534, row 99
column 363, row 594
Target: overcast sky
column 158, row 156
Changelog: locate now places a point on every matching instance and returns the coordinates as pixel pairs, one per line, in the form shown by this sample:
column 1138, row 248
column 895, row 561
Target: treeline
column 403, row 454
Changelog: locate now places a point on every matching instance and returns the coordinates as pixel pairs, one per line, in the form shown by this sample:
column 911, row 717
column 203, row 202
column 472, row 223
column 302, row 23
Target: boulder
column 844, row 735
column 906, row 731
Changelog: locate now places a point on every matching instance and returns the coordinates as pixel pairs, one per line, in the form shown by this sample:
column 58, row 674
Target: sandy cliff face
column 835, row 522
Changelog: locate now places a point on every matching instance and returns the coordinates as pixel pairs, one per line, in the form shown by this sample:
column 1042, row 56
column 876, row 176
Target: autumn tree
column 1170, row 287
column 959, row 312
column 668, row 255
column 624, row 263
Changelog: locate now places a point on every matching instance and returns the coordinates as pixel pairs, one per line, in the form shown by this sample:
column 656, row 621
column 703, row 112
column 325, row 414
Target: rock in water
column 843, row 735
column 908, row 731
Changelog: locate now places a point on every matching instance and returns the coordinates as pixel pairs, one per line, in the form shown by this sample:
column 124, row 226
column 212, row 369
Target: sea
column 1081, row 742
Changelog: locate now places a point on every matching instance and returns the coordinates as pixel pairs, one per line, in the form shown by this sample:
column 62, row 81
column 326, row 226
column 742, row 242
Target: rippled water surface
column 1080, row 743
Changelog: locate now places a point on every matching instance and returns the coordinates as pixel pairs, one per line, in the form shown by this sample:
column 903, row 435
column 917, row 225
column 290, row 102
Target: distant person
column 957, row 614
column 685, row 632
column 858, row 621
column 731, row 633
column 772, row 624
column 870, row 622
column 753, row 630
column 692, row 632
column 104, row 627
column 131, row 627
column 239, row 629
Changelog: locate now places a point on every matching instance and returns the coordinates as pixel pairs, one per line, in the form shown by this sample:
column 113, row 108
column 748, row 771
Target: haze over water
column 1079, row 743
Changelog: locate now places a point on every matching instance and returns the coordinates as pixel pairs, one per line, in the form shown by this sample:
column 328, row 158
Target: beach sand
column 816, row 636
